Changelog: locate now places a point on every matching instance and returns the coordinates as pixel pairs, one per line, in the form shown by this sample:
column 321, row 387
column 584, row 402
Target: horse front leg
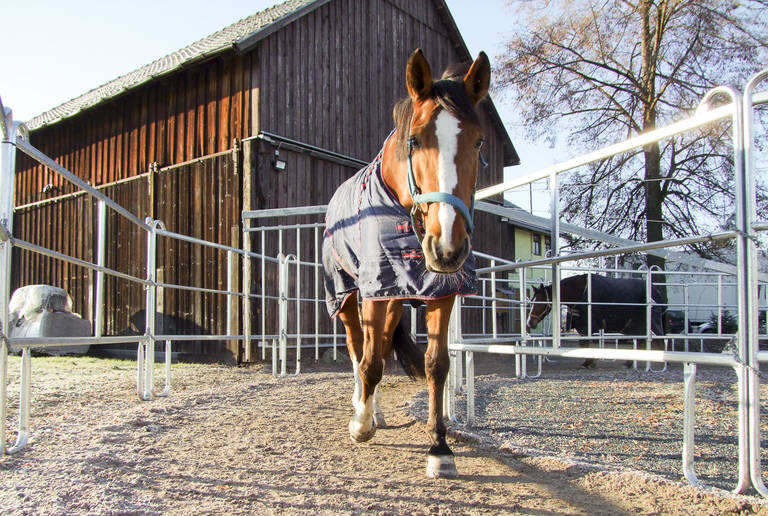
column 440, row 459
column 362, row 426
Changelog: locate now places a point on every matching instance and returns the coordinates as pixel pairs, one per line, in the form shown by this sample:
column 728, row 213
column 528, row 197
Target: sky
column 55, row 50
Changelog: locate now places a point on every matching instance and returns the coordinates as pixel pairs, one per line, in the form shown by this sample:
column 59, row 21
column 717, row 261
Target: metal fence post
column 151, row 309
column 231, row 299
column 263, row 295
column 494, row 303
column 750, row 270
column 555, row 209
column 689, row 421
column 742, row 275
column 98, row 319
column 298, row 299
column 247, row 293
column 454, row 334
column 316, row 268
column 7, row 171
column 283, row 313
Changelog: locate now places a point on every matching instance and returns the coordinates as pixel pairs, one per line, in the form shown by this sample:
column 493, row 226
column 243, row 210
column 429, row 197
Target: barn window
column 537, row 244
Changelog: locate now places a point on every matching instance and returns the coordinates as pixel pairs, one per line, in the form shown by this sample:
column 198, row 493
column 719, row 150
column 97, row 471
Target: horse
column 399, row 229
column 606, row 315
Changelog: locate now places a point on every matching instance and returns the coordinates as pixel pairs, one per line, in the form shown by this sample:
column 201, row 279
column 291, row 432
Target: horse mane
column 448, row 92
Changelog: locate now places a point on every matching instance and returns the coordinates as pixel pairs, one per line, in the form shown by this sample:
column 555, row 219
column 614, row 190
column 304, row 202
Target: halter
column 419, row 198
column 546, row 311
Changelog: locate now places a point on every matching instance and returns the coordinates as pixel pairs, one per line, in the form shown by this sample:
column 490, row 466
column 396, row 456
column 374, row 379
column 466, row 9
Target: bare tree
column 599, row 71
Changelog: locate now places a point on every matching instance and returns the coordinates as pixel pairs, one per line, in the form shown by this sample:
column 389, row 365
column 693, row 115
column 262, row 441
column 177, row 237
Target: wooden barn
column 190, row 139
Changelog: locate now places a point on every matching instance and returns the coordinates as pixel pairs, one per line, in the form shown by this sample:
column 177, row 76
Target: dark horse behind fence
column 627, row 317
column 399, row 229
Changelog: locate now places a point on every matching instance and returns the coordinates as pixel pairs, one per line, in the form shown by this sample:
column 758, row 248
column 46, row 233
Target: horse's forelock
column 449, row 93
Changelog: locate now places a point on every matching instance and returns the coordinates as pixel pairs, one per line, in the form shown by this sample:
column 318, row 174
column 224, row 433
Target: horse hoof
column 357, row 432
column 441, row 466
column 378, row 420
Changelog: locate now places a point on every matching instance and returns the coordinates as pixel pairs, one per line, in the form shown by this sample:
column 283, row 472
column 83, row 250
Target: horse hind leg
column 394, row 313
column 378, row 415
column 359, row 429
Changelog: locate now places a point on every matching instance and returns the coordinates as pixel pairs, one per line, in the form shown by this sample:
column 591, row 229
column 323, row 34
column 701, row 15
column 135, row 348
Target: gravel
column 614, row 417
column 239, row 441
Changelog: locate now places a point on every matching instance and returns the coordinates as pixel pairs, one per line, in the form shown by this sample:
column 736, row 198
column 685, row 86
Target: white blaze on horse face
column 447, row 133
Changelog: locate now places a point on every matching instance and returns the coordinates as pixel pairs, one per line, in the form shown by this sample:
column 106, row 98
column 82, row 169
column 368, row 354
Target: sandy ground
column 238, row 441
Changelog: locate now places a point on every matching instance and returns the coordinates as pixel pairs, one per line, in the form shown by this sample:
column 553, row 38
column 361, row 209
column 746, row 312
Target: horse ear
column 418, row 76
column 478, row 78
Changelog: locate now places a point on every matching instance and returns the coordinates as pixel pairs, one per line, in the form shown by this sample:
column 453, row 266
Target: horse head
column 437, row 143
column 541, row 305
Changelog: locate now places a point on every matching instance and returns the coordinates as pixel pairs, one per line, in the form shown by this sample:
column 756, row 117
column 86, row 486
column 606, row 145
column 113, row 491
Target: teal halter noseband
column 419, row 198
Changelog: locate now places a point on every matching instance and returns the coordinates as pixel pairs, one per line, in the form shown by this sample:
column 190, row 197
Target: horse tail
column 409, row 355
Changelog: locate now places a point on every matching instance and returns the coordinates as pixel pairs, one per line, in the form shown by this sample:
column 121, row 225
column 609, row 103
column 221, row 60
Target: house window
column 547, row 245
column 537, row 244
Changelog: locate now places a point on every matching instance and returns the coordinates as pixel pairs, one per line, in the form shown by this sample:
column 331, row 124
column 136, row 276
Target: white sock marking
column 358, row 392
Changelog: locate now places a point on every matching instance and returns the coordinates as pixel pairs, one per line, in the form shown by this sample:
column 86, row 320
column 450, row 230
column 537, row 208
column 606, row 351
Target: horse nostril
column 433, row 248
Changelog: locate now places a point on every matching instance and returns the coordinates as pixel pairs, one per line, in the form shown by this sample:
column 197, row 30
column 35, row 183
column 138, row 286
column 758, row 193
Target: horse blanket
column 369, row 246
column 626, row 319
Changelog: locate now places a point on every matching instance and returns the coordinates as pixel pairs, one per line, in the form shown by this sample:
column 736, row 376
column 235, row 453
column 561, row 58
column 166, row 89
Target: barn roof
column 239, row 37
column 228, row 38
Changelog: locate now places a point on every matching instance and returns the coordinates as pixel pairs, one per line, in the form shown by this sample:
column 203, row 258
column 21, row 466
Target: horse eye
column 414, row 142
column 479, row 143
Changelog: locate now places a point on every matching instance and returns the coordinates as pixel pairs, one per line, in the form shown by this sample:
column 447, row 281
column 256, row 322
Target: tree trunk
column 654, row 226
column 653, row 196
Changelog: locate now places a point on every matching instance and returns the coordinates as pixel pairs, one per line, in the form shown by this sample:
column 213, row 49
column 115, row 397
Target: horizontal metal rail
column 54, row 342
column 641, row 355
column 261, row 229
column 700, row 119
column 284, row 212
column 198, row 241
column 638, row 248
column 41, row 158
column 203, row 290
column 22, row 244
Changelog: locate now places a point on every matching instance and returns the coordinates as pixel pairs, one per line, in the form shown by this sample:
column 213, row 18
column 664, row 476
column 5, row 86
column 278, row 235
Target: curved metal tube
column 753, row 380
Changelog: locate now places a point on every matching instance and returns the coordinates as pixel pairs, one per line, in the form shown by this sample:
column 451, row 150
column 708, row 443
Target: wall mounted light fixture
column 278, row 164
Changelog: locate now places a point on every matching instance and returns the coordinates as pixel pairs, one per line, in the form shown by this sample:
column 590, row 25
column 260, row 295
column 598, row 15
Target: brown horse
column 400, row 229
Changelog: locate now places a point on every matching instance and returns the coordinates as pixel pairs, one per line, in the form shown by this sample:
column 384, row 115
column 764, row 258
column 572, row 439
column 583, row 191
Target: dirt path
column 238, row 441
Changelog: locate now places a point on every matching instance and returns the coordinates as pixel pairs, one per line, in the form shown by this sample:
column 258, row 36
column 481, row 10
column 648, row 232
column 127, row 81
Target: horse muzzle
column 444, row 260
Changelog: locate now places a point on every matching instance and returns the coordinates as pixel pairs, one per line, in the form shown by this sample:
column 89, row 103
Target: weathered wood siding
column 200, row 199
column 332, row 78
column 194, row 113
